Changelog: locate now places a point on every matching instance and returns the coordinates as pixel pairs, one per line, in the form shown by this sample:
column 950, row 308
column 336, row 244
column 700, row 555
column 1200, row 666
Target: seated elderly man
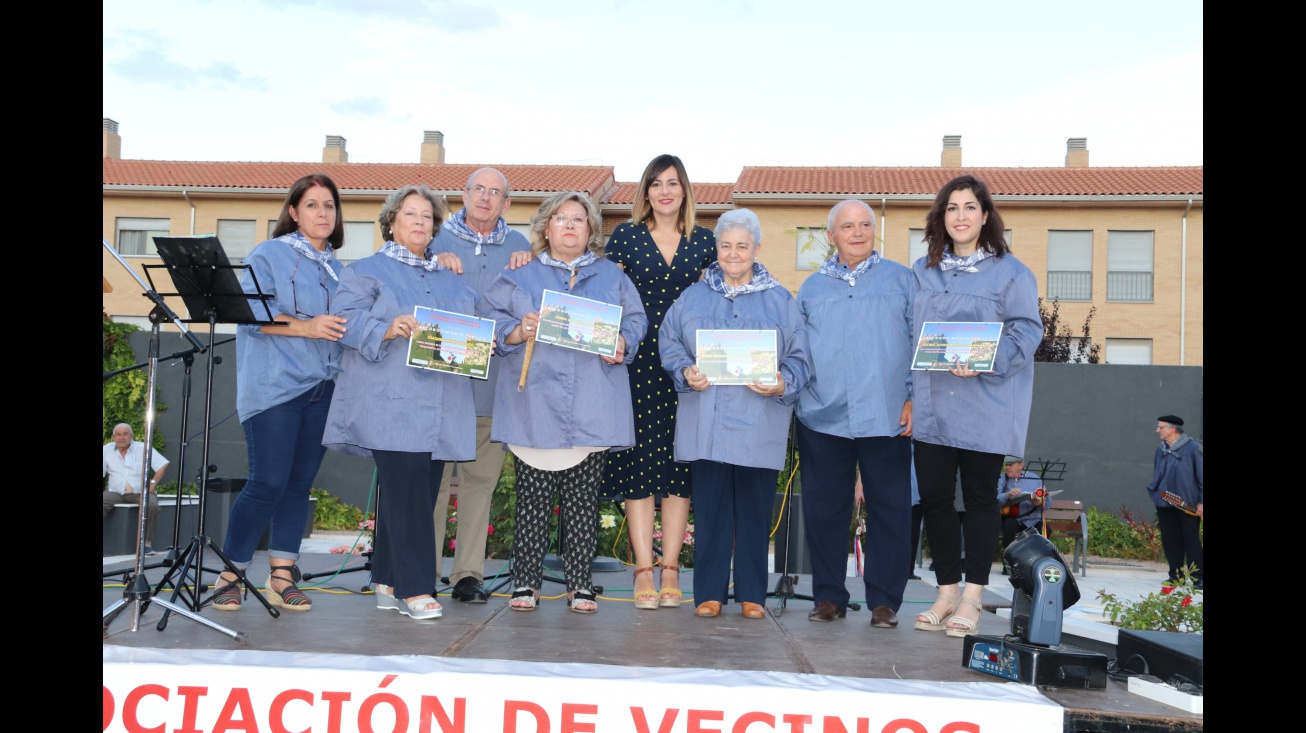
column 123, row 465
column 1018, row 516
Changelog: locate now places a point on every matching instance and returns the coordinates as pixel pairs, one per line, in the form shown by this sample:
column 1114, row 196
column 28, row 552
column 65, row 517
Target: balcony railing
column 1129, row 287
column 1070, row 285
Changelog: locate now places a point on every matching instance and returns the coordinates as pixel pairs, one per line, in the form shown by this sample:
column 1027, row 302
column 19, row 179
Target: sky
column 722, row 83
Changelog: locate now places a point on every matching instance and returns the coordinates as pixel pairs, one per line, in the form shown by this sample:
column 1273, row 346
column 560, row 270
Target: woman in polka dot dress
column 663, row 252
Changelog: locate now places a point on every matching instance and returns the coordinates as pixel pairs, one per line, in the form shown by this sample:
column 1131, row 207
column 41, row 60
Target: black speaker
column 1167, row 653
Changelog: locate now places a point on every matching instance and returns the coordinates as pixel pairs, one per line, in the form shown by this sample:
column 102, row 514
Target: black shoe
column 913, row 576
column 470, row 590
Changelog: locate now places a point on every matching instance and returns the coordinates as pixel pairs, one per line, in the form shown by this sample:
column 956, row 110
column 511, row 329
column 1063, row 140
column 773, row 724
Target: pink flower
column 339, row 550
column 1187, row 600
column 489, row 529
column 453, row 544
column 453, row 520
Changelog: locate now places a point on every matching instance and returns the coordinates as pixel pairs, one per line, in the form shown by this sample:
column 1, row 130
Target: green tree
column 1062, row 346
column 124, row 394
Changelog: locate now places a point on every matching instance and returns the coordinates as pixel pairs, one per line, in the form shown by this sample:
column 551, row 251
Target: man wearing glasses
column 477, row 244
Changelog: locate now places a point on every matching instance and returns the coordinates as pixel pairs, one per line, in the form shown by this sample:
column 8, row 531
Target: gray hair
column 506, row 191
column 392, row 203
column 834, row 211
column 739, row 219
column 124, row 425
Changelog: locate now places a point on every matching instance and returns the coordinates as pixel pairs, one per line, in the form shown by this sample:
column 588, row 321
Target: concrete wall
column 1098, row 418
column 1101, row 420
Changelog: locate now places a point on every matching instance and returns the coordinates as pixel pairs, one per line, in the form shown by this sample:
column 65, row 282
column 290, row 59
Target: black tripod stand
column 136, row 592
column 207, row 284
column 188, row 359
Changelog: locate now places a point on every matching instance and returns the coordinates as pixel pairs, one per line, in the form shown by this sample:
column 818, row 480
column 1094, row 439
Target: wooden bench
column 1066, row 518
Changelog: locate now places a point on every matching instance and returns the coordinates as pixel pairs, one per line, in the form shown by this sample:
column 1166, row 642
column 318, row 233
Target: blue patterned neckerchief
column 301, row 245
column 965, row 264
column 396, row 251
column 714, row 276
column 572, row 266
column 458, row 223
column 831, row 267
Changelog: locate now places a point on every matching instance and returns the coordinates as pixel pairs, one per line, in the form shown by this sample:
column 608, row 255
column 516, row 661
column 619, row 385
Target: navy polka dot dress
column 649, row 468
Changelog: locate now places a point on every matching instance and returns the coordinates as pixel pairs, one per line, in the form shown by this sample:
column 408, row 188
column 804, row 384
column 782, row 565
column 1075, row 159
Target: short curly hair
column 392, row 203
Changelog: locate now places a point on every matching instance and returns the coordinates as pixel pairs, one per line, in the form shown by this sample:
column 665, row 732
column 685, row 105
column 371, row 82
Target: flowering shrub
column 1173, row 609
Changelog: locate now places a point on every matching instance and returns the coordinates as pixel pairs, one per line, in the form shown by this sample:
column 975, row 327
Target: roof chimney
column 432, row 147
column 112, row 143
column 951, row 157
column 1077, row 152
column 334, row 152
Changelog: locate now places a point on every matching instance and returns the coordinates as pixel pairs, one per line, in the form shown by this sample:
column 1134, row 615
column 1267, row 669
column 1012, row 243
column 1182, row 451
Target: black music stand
column 207, row 283
column 136, row 591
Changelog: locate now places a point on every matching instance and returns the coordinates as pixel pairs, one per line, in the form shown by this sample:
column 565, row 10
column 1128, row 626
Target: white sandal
column 416, row 607
column 385, row 598
column 964, row 627
column 931, row 621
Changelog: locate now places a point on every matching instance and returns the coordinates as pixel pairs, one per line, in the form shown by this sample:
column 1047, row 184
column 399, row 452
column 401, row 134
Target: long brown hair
column 286, row 224
column 641, row 211
column 991, row 238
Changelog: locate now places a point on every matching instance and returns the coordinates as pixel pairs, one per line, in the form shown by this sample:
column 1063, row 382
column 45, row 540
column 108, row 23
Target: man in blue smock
column 477, row 244
column 855, row 415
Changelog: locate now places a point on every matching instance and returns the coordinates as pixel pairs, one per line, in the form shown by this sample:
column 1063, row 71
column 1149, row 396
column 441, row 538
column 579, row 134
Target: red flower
column 1187, row 600
column 489, row 529
column 557, row 509
column 1165, row 589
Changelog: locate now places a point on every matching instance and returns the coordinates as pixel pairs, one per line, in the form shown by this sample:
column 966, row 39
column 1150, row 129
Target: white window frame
column 1128, row 351
column 148, row 227
column 811, row 248
column 238, row 237
column 1070, row 265
column 1130, row 266
column 916, row 246
column 357, row 246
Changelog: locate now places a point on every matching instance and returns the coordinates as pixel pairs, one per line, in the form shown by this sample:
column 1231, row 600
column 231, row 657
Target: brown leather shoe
column 753, row 610
column 708, row 609
column 826, row 611
column 883, row 617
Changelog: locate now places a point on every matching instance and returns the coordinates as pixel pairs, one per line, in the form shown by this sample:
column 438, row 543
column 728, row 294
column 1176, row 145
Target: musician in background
column 1018, row 516
column 1178, row 470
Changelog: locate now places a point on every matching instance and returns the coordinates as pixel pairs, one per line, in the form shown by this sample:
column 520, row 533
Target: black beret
column 1172, row 419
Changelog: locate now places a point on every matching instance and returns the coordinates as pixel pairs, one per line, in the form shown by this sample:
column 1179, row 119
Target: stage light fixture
column 1033, row 653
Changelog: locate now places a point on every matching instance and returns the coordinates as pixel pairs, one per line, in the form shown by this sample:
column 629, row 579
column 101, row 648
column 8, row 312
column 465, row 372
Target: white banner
column 209, row 691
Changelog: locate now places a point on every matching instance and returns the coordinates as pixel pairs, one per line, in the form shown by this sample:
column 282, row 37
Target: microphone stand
column 136, row 591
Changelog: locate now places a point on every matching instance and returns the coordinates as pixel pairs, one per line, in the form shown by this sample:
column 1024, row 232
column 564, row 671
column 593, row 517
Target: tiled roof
column 1170, row 181
column 348, row 176
column 704, row 193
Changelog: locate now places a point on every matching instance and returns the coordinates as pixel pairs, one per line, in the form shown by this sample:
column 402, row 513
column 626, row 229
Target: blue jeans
column 285, row 452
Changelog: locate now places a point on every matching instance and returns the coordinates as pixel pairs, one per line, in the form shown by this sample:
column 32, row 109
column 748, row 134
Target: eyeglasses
column 294, row 293
column 563, row 220
column 480, row 190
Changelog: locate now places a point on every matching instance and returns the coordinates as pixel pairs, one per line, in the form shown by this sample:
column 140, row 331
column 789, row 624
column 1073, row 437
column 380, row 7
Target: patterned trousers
column 578, row 488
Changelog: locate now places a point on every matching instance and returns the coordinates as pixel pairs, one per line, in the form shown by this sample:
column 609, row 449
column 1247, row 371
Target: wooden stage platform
column 345, row 620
